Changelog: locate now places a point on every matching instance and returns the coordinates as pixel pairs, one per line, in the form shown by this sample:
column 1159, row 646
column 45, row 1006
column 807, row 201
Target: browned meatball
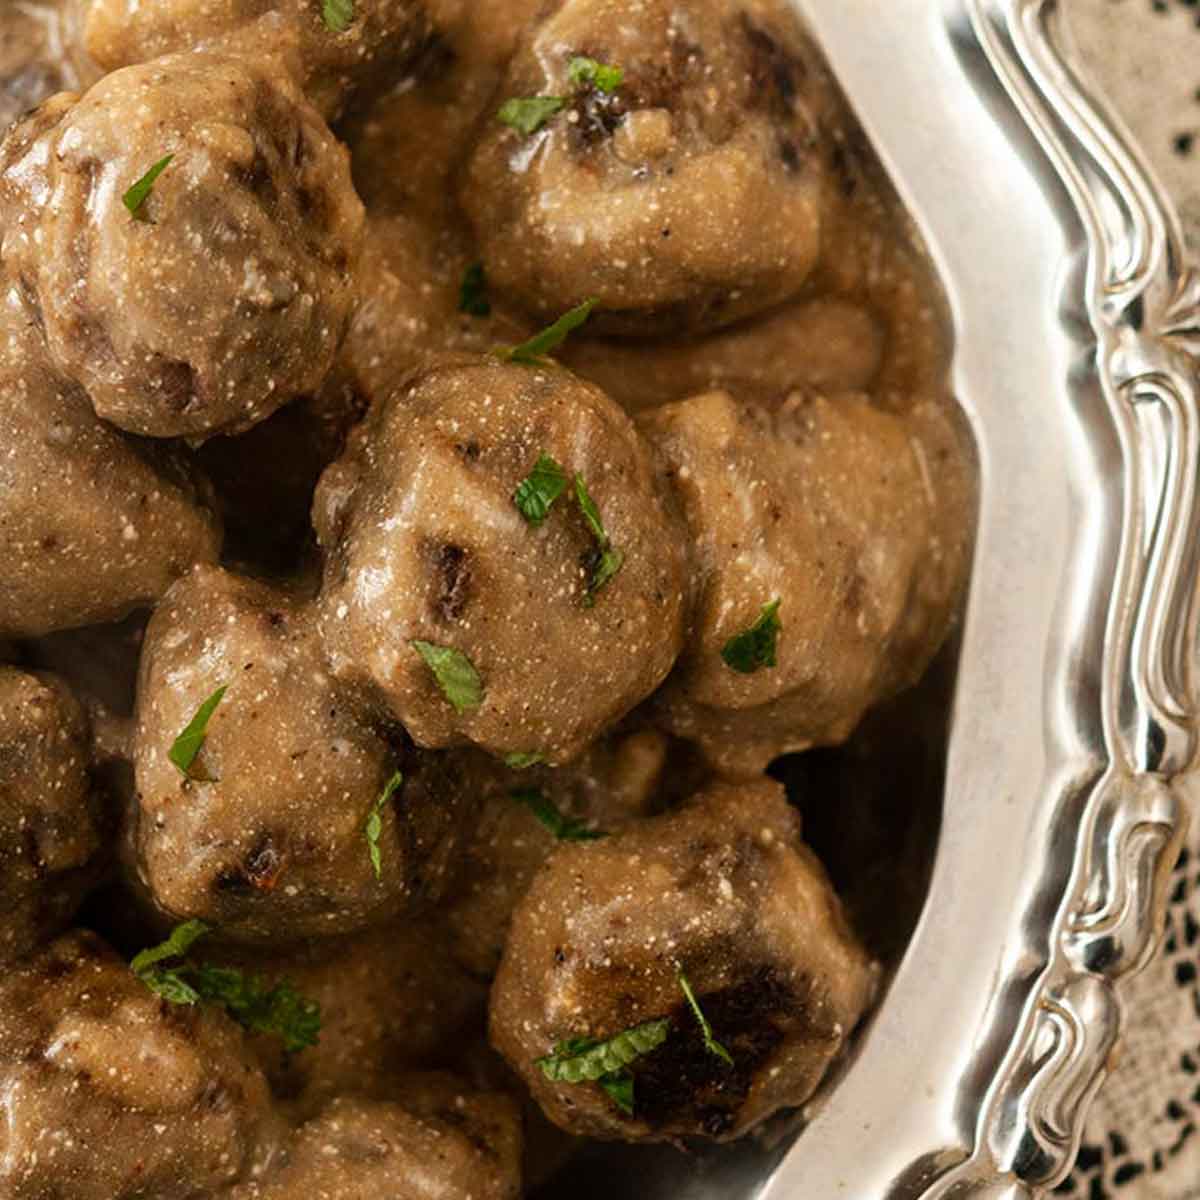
column 35, row 55
column 112, row 1094
column 724, row 891
column 854, row 519
column 391, row 1001
column 614, row 783
column 265, row 837
column 444, row 1142
column 51, row 822
column 690, row 196
column 92, row 524
column 377, row 48
column 229, row 293
column 426, row 545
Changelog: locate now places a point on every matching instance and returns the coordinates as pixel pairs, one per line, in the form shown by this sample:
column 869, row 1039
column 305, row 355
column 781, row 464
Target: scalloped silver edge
column 1144, row 305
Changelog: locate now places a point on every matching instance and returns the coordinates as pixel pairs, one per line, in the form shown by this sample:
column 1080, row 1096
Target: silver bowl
column 1074, row 728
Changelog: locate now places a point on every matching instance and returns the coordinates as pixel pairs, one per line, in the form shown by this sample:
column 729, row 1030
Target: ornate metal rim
column 1143, row 302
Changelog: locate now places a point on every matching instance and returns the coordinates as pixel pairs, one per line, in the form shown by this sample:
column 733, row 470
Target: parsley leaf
column 587, row 1060
column 472, row 292
column 619, row 1088
column 374, row 825
column 138, row 194
column 710, row 1043
column 756, row 647
column 527, row 114
column 582, row 70
column 537, row 492
column 455, row 675
column 533, row 352
column 187, row 745
column 338, row 14
column 566, row 829
column 520, row 761
column 278, row 1010
column 608, row 559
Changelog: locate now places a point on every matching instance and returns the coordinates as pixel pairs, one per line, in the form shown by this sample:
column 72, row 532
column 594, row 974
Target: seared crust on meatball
column 228, row 292
column 51, row 823
column 110, row 1093
column 334, row 67
column 425, row 544
column 265, row 837
column 690, row 196
column 390, row 1000
column 616, row 782
column 724, row 891
column 847, row 515
column 444, row 1142
column 92, row 524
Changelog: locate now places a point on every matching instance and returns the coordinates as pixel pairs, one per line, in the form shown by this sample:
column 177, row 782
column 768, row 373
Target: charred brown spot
column 451, row 567
column 597, row 116
column 177, row 385
column 776, row 75
column 259, row 871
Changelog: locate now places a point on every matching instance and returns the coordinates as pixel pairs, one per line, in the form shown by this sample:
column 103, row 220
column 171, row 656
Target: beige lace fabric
column 1143, row 1137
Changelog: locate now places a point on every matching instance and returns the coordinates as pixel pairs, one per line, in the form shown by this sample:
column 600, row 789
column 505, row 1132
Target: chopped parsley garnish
column 537, row 492
column 619, row 1088
column 472, row 292
column 587, row 1060
column 604, row 78
column 566, row 829
column 455, row 675
column 710, row 1043
column 187, row 745
column 338, row 14
column 521, row 760
column 279, row 1010
column 374, row 826
column 527, row 114
column 756, row 647
column 608, row 560
column 138, row 194
column 533, row 353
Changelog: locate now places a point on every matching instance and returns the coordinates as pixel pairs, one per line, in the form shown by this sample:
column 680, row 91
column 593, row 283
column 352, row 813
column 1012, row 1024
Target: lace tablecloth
column 1143, row 1140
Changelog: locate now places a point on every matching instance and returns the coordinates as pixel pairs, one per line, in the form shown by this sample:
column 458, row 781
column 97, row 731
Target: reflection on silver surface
column 1076, row 325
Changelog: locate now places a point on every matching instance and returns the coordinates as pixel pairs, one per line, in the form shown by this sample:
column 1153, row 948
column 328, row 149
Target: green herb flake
column 533, row 353
column 608, row 559
column 187, row 745
column 279, row 1010
column 756, row 648
column 472, row 292
column 537, row 492
column 566, row 829
column 455, row 675
column 582, row 71
column 588, row 1061
column 338, row 14
column 710, row 1043
column 521, row 761
column 527, row 114
column 619, row 1089
column 373, row 829
column 137, row 195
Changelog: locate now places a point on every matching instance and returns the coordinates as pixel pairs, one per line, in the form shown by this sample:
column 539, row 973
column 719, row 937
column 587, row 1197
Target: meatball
column 34, row 58
column 724, row 892
column 376, row 49
column 615, row 783
column 265, row 836
column 852, row 519
column 110, row 1093
column 829, row 343
column 51, row 822
column 228, row 292
column 427, row 551
column 92, row 525
column 443, row 1143
column 391, row 1000
column 690, row 196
